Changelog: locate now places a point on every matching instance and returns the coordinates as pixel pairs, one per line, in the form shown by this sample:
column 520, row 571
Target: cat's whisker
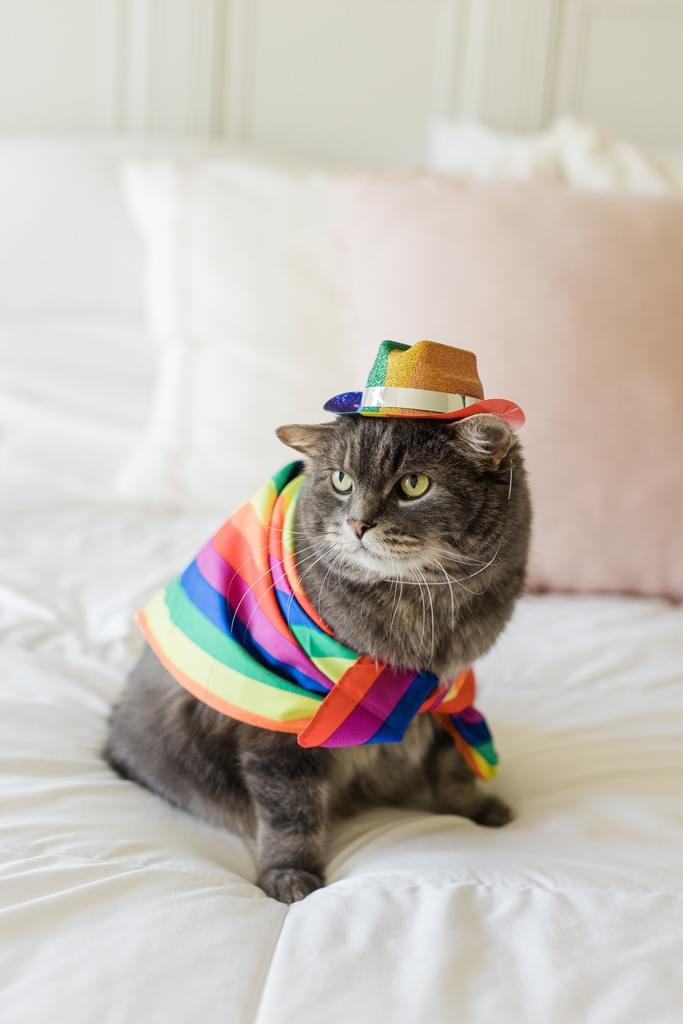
column 483, row 568
column 458, row 580
column 431, row 610
column 303, row 575
column 236, row 518
column 328, row 550
column 424, row 613
column 449, row 555
column 322, row 585
column 462, row 563
column 397, row 595
column 250, row 589
column 251, row 558
column 450, row 591
column 258, row 602
column 245, row 595
column 268, row 590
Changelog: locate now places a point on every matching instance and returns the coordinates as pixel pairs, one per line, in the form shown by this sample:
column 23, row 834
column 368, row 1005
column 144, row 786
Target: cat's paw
column 288, row 885
column 493, row 812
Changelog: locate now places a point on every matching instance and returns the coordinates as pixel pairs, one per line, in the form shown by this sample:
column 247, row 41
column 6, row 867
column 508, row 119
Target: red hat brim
column 505, row 410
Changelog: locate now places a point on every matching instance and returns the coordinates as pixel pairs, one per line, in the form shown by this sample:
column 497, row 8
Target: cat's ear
column 307, row 439
column 484, row 439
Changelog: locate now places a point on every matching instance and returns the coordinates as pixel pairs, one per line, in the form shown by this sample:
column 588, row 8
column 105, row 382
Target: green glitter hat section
column 378, row 374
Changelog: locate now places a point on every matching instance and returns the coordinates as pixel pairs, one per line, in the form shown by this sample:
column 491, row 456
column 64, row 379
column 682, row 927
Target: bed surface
column 115, row 907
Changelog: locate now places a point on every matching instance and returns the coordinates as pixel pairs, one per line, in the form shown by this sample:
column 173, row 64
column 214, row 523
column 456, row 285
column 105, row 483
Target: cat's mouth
column 371, row 555
column 364, row 558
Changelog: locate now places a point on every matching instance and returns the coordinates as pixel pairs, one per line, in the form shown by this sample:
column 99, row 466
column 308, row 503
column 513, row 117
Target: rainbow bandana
column 237, row 630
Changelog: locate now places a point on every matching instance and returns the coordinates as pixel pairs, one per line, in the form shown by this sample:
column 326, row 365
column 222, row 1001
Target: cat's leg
column 453, row 789
column 162, row 738
column 289, row 790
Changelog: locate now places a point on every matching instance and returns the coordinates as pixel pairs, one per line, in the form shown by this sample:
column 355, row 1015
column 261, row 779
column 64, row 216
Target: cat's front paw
column 288, row 885
column 493, row 812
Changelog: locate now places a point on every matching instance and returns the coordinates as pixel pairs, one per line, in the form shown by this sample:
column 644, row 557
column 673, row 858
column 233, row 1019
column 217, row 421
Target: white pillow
column 67, row 243
column 245, row 293
column 243, row 299
column 571, row 152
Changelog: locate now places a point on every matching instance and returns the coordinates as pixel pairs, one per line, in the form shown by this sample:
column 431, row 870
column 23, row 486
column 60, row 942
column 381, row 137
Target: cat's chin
column 365, row 562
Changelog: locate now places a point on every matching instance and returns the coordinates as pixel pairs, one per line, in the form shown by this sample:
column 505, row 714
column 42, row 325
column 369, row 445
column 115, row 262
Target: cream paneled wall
column 353, row 80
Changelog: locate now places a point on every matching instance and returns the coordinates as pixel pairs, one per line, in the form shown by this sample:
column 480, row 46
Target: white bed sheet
column 115, row 907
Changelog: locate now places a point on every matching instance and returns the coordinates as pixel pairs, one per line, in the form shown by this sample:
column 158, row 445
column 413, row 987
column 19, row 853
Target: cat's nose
column 359, row 527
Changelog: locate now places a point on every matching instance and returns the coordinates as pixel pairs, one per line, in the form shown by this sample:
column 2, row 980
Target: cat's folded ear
column 484, row 439
column 308, row 439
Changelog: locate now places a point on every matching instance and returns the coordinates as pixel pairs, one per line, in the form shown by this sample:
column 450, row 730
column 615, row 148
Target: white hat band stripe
column 415, row 398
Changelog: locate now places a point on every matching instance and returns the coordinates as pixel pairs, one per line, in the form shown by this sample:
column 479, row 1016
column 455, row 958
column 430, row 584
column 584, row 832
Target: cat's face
column 396, row 498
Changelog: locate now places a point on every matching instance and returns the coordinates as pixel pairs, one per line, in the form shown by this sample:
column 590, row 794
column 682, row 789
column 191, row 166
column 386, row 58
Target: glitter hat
column 424, row 381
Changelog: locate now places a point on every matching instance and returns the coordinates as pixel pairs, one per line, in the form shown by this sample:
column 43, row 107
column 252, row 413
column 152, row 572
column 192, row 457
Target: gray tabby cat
column 412, row 546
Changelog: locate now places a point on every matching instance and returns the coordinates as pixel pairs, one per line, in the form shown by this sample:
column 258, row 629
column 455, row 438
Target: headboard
column 348, row 80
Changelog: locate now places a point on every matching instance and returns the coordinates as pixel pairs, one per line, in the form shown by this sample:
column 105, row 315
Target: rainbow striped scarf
column 237, row 630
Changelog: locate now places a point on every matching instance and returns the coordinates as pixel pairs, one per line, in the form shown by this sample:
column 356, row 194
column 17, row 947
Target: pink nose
column 359, row 527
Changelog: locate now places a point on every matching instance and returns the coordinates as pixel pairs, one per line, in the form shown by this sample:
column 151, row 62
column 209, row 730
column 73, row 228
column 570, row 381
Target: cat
column 413, row 537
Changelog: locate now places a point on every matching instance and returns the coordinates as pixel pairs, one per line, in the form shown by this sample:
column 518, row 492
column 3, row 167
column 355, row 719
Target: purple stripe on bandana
column 277, row 571
column 224, row 579
column 370, row 715
column 471, row 716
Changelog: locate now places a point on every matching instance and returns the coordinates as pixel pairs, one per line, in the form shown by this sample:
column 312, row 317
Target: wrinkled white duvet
column 114, row 907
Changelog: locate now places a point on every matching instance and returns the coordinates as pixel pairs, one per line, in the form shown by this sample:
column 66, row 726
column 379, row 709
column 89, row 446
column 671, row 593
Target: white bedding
column 114, row 907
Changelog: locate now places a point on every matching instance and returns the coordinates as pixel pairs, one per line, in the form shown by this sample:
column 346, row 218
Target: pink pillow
column 573, row 303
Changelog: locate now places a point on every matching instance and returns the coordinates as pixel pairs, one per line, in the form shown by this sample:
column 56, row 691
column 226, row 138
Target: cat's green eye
column 341, row 481
column 414, row 485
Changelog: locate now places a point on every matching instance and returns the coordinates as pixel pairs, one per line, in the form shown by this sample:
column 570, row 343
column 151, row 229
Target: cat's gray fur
column 430, row 585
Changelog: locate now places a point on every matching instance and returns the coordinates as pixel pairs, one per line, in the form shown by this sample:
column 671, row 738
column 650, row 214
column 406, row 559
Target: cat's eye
column 413, row 485
column 341, row 481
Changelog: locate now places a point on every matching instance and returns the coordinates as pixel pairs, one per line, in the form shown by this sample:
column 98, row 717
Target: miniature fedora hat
column 424, row 381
